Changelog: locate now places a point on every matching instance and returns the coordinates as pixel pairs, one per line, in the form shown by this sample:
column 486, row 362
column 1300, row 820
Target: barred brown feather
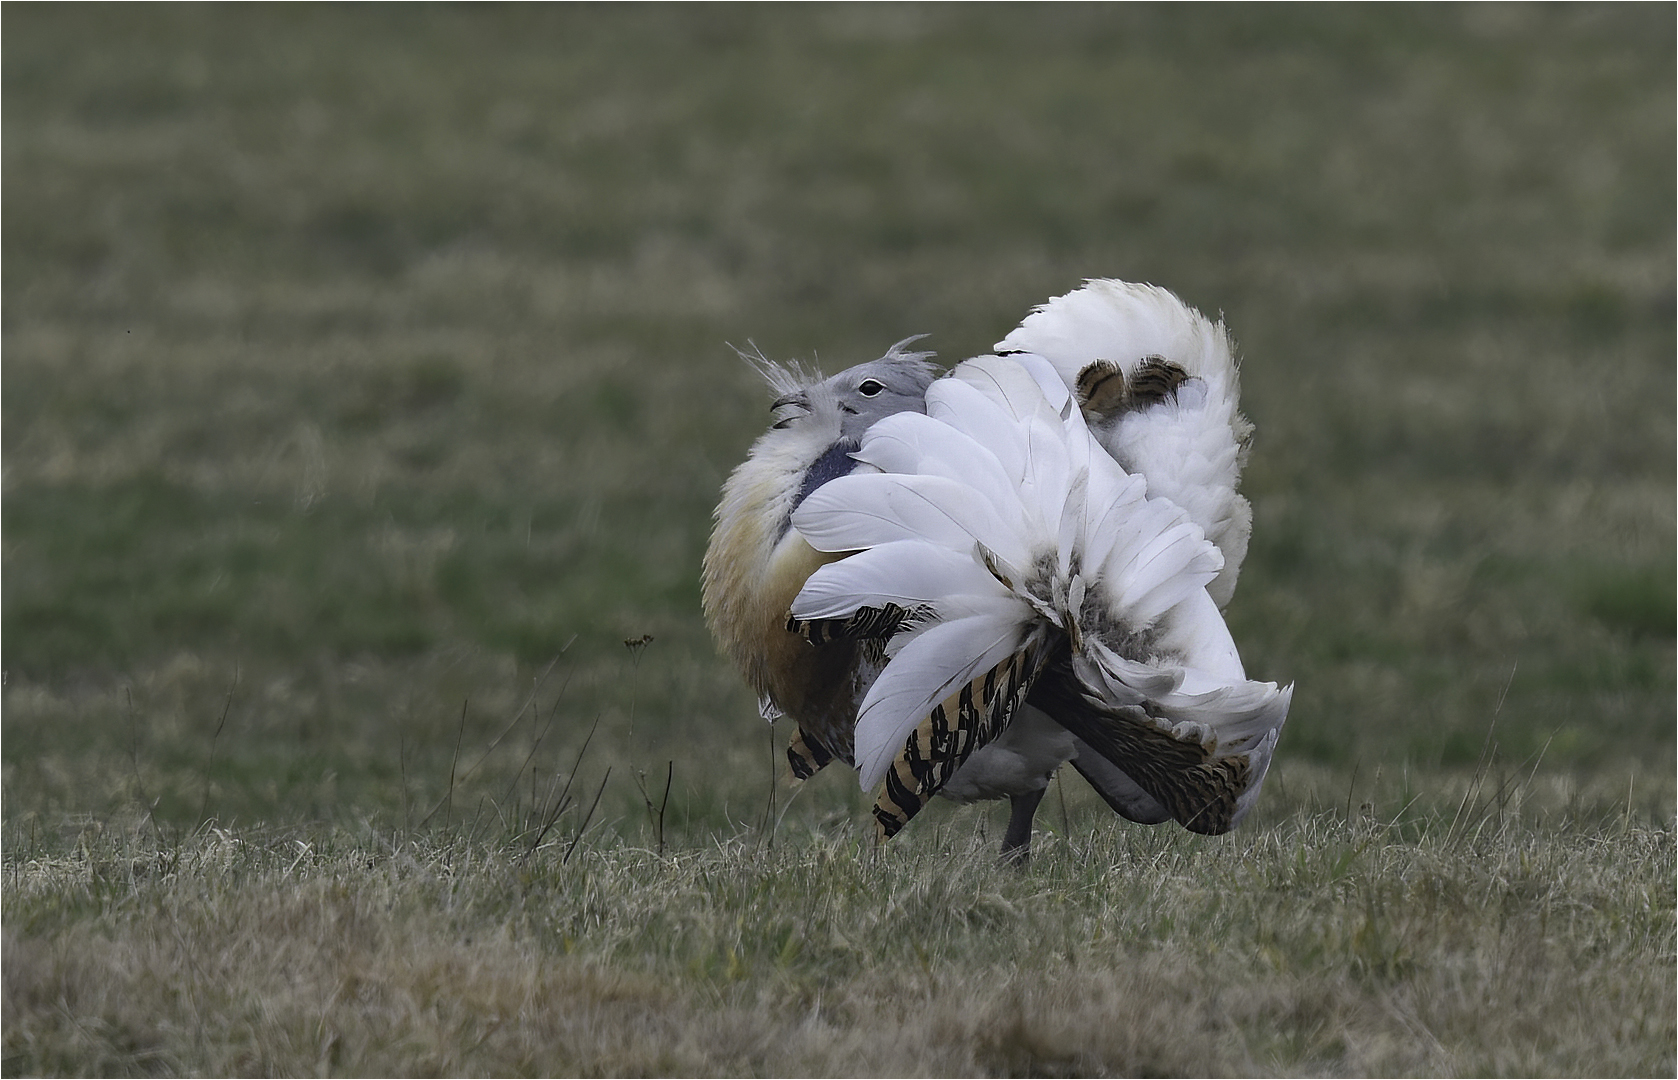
column 1101, row 390
column 807, row 755
column 1154, row 380
column 1104, row 391
column 963, row 723
column 867, row 623
column 1200, row 791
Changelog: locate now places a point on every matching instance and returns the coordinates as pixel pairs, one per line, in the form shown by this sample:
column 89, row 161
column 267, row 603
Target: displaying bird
column 1007, row 569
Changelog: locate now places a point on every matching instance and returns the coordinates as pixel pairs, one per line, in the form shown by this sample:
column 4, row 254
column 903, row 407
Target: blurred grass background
column 359, row 362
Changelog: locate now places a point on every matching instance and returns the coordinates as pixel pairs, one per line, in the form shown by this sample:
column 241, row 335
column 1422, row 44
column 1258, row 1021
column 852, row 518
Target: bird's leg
column 1016, row 843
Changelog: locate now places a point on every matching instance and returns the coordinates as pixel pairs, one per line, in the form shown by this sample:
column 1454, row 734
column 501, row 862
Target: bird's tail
column 1160, row 386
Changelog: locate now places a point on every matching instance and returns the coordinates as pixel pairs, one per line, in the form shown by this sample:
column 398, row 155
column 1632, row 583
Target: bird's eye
column 870, row 387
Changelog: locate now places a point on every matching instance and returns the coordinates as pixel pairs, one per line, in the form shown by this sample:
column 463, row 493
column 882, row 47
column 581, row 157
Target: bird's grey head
column 866, row 393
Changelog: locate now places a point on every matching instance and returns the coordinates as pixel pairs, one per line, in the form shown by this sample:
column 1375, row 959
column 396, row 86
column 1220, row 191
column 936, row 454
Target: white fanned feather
column 997, row 518
column 1190, row 447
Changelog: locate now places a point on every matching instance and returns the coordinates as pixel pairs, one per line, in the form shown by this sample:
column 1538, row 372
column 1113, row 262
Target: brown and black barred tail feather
column 1103, row 390
column 1154, row 380
column 807, row 755
column 880, row 622
column 951, row 733
column 1198, row 790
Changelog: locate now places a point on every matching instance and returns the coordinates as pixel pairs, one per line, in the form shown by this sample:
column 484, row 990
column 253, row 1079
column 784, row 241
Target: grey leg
column 1016, row 843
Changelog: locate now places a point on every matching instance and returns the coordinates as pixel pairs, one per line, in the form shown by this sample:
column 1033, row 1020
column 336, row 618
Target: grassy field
column 367, row 386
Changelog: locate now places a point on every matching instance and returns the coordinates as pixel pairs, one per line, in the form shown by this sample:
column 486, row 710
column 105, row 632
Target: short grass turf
column 367, row 385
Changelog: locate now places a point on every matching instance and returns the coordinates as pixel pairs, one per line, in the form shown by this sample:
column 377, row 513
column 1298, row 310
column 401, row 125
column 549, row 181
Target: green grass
column 366, row 385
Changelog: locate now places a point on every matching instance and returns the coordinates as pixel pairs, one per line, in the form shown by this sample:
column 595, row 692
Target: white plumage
column 1192, row 445
column 1027, row 573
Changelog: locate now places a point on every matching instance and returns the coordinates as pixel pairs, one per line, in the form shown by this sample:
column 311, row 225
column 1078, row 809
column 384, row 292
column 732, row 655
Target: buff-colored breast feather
column 755, row 566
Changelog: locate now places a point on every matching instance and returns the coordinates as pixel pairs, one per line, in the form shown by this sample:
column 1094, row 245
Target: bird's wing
column 952, row 731
column 1123, row 794
column 862, row 511
column 1202, row 758
column 807, row 755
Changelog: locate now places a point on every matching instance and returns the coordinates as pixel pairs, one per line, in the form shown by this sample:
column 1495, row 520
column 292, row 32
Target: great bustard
column 957, row 585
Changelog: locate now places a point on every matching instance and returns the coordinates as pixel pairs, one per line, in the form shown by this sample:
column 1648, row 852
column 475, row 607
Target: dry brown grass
column 1316, row 947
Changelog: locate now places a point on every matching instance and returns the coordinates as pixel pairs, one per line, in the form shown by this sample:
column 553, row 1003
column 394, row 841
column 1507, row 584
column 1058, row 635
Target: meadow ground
column 366, row 388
